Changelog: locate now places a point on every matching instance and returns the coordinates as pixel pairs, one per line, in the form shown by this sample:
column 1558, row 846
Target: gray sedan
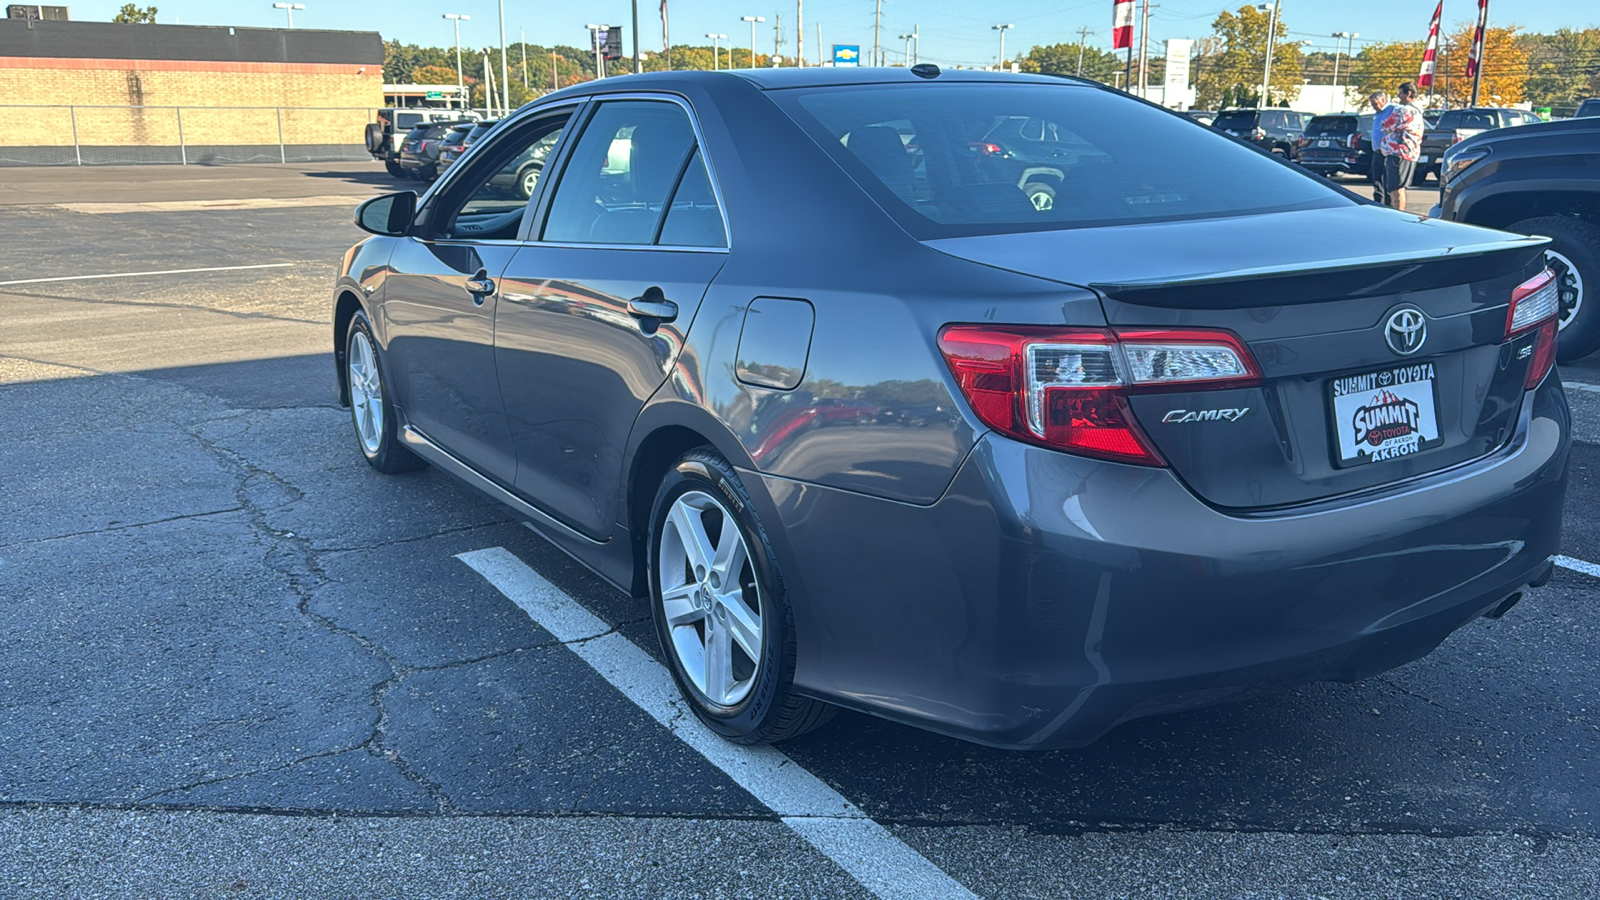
column 784, row 355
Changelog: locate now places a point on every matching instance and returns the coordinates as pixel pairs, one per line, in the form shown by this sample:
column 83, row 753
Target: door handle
column 480, row 285
column 653, row 305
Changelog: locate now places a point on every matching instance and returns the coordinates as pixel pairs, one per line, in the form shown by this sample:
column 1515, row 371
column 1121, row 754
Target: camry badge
column 1180, row 416
column 1406, row 330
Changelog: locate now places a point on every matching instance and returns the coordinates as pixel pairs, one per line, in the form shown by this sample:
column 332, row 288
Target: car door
column 440, row 298
column 595, row 305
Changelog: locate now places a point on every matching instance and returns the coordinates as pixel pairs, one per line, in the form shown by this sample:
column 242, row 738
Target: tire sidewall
column 1581, row 337
column 704, row 471
column 388, row 441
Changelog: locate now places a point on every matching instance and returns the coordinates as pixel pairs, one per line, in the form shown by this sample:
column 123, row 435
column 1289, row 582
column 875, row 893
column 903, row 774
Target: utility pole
column 637, row 65
column 522, row 39
column 916, row 44
column 488, row 85
column 777, row 35
column 800, row 32
column 877, row 26
column 1083, row 35
column 819, row 44
column 555, row 74
column 1144, row 52
column 505, row 78
column 289, row 8
column 715, row 52
column 907, row 39
column 461, row 85
column 1002, row 29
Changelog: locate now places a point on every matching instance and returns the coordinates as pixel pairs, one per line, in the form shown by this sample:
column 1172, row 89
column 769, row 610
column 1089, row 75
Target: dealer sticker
column 1384, row 415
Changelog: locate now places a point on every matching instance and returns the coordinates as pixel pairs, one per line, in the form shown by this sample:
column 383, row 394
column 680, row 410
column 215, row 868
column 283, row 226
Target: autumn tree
column 433, row 75
column 1563, row 68
column 1062, row 59
column 1383, row 67
column 133, row 15
column 1234, row 73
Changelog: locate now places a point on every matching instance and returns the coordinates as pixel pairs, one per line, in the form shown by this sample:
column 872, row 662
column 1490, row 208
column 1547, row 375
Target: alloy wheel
column 366, row 393
column 710, row 598
column 1571, row 287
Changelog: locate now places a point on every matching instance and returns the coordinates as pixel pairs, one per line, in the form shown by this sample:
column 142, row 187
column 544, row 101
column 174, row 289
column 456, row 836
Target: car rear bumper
column 1047, row 598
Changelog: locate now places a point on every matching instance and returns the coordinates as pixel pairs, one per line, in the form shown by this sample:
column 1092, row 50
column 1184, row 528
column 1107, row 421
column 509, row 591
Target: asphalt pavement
column 238, row 662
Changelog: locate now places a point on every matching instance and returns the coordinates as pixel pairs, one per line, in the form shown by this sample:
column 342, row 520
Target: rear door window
column 927, row 154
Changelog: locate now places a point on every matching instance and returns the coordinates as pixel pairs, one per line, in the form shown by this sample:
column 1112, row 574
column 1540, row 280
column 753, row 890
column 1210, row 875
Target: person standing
column 1380, row 111
column 1402, row 143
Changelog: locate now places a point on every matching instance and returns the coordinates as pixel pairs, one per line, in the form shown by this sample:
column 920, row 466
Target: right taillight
column 1534, row 304
column 1067, row 388
column 1355, row 142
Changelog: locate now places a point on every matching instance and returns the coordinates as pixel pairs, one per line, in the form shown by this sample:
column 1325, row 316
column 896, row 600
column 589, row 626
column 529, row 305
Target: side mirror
column 388, row 215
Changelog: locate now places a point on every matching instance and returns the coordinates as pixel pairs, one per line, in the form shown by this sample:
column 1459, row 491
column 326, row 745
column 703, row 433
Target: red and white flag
column 1122, row 24
column 1425, row 77
column 1475, row 58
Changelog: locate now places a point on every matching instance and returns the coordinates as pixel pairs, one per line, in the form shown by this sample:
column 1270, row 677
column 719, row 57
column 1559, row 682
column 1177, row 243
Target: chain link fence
column 182, row 135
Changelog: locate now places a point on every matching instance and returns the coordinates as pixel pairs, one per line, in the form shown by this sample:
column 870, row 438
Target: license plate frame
column 1384, row 414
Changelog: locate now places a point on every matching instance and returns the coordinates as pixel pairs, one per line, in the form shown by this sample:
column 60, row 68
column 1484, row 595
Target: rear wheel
column 1041, row 195
column 720, row 610
column 395, row 169
column 528, row 180
column 1574, row 253
column 370, row 408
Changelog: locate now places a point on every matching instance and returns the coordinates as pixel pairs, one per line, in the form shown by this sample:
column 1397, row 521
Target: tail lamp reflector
column 1068, row 388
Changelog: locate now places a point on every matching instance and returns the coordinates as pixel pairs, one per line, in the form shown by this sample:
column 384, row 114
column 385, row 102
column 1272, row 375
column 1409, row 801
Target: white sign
column 1177, row 65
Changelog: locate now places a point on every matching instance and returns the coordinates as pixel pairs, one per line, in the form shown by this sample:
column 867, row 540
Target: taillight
column 1355, row 142
column 1456, row 137
column 1534, row 304
column 987, row 149
column 1067, row 388
column 1258, row 133
column 1304, row 142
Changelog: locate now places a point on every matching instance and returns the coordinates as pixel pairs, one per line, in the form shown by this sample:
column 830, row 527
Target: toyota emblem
column 1406, row 330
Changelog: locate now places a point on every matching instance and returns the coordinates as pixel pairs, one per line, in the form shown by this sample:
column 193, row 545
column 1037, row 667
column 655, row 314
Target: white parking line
column 1578, row 565
column 1580, row 386
column 881, row 862
column 158, row 272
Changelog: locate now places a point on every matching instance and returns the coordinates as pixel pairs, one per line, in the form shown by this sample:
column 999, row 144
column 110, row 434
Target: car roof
column 793, row 77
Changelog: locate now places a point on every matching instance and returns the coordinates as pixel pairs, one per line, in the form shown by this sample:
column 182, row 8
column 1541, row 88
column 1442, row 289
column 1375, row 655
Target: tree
column 1235, row 72
column 1563, row 68
column 433, row 75
column 1383, row 67
column 133, row 15
column 1062, row 59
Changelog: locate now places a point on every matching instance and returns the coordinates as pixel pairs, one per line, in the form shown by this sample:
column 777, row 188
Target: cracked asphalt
column 236, row 662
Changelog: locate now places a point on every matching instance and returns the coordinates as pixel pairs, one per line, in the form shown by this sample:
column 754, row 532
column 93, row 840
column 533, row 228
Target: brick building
column 100, row 92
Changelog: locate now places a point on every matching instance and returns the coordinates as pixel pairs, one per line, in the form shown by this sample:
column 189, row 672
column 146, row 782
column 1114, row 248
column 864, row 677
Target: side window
column 616, row 185
column 488, row 201
column 693, row 219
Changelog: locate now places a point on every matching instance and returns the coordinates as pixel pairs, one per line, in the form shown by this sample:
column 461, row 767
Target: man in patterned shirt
column 1402, row 143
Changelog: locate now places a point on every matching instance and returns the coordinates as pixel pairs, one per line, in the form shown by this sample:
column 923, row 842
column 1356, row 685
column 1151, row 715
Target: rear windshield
column 1235, row 120
column 1331, row 125
column 958, row 159
column 1467, row 118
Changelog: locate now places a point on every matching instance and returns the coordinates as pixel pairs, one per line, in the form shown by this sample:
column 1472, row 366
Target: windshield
column 1466, row 118
column 1331, row 125
column 957, row 159
column 1235, row 120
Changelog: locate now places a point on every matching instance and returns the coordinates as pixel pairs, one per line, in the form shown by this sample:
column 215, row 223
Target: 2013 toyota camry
column 1009, row 439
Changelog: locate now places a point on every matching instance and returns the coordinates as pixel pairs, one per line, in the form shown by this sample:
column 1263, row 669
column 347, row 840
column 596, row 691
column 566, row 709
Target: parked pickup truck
column 1542, row 179
column 1455, row 126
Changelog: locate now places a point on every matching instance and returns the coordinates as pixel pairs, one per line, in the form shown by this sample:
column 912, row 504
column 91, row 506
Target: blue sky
column 952, row 32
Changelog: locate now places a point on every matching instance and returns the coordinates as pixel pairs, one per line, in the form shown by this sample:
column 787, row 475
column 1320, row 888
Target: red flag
column 1425, row 77
column 1475, row 59
column 1122, row 24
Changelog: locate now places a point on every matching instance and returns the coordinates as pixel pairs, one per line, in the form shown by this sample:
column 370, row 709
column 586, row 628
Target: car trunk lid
column 1345, row 402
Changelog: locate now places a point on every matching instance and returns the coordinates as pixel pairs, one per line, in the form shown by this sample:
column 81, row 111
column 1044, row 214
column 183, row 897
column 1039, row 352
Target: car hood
column 1231, row 249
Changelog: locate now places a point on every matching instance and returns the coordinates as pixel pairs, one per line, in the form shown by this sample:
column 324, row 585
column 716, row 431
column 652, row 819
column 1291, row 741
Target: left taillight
column 1534, row 305
column 1068, row 388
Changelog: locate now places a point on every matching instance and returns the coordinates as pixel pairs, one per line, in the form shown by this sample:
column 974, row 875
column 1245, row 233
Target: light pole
column 907, row 38
column 752, row 20
column 461, row 81
column 505, row 80
column 1272, row 37
column 289, row 8
column 715, row 51
column 1002, row 29
column 1337, row 35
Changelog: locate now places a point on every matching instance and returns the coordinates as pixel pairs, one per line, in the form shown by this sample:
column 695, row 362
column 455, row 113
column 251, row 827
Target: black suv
column 419, row 152
column 1588, row 109
column 1277, row 130
column 1541, row 179
column 1337, row 144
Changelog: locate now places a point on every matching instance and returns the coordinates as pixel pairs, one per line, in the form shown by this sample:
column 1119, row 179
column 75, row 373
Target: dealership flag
column 1475, row 59
column 1425, row 77
column 1122, row 24
column 667, row 48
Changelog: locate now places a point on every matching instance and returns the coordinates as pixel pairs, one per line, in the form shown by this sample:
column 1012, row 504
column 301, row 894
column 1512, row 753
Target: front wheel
column 720, row 610
column 1042, row 196
column 371, row 410
column 1574, row 253
column 528, row 180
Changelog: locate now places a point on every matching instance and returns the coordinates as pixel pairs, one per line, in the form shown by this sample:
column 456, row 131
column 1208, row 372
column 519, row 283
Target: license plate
column 1324, row 143
column 1385, row 414
column 1422, row 159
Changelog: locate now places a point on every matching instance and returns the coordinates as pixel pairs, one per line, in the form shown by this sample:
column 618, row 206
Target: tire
column 371, row 410
column 750, row 628
column 1575, row 248
column 1041, row 195
column 428, row 173
column 1419, row 176
column 528, row 180
column 395, row 169
column 374, row 137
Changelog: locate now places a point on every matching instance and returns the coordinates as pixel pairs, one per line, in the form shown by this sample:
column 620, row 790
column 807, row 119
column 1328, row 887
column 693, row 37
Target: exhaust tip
column 1504, row 606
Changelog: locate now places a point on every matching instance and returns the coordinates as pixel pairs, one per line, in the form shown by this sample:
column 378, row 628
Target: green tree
column 1563, row 68
column 133, row 15
column 1234, row 72
column 1062, row 59
column 434, row 75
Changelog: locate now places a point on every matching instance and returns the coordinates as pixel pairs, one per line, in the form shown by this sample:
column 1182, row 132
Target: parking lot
column 239, row 662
